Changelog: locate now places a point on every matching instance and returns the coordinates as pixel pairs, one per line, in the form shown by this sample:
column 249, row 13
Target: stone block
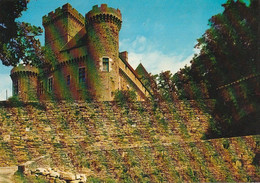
column 67, row 176
column 42, row 171
column 54, row 173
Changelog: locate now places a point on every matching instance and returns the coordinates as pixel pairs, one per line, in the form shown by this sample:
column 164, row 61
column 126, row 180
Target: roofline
column 133, row 71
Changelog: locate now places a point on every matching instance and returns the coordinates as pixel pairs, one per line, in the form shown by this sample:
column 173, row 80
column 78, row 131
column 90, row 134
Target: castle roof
column 141, row 71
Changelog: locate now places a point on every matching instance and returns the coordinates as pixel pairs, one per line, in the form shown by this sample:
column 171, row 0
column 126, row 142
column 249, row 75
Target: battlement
column 24, row 69
column 66, row 9
column 104, row 14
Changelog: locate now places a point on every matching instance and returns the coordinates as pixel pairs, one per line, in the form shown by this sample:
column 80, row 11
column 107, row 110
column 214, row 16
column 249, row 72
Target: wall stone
column 138, row 141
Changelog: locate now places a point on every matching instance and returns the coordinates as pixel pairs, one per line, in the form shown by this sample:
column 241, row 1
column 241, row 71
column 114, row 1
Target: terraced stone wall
column 137, row 142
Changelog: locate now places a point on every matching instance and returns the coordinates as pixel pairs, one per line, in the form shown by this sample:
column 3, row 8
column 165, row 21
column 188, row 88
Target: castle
column 85, row 59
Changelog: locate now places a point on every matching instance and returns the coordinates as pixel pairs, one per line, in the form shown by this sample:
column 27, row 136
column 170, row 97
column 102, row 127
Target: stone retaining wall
column 138, row 142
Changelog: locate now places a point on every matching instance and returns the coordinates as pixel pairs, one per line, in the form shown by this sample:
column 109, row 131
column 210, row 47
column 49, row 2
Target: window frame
column 81, row 76
column 68, row 80
column 41, row 88
column 50, row 84
column 105, row 62
column 16, row 87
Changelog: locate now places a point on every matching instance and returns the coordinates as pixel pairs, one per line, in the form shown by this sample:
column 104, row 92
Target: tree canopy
column 228, row 53
column 17, row 39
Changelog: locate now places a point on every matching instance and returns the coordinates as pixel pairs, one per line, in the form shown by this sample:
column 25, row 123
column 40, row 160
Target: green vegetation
column 228, row 54
column 17, row 39
column 125, row 96
column 20, row 178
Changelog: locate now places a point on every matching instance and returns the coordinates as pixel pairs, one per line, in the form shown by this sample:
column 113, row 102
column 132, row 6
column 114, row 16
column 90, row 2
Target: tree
column 17, row 39
column 229, row 46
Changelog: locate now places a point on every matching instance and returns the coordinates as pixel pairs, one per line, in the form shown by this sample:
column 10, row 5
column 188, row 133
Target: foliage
column 228, row 47
column 17, row 39
column 20, row 178
column 14, row 101
column 124, row 96
column 228, row 52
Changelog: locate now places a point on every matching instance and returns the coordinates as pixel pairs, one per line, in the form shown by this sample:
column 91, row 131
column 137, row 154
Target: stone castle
column 85, row 59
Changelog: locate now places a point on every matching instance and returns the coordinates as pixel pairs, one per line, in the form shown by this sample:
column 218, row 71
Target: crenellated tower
column 25, row 82
column 102, row 28
column 86, row 63
column 61, row 26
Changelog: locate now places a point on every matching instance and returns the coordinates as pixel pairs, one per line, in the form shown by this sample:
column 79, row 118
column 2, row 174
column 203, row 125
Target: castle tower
column 25, row 79
column 60, row 26
column 102, row 27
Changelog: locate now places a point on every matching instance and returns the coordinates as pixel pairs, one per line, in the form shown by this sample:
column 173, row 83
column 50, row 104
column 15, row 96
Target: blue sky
column 161, row 34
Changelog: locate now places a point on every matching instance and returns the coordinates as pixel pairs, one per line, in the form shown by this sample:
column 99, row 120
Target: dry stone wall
column 136, row 142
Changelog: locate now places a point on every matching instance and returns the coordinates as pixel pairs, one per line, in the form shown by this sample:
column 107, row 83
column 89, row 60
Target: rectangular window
column 50, row 84
column 106, row 64
column 68, row 80
column 41, row 88
column 15, row 88
column 82, row 75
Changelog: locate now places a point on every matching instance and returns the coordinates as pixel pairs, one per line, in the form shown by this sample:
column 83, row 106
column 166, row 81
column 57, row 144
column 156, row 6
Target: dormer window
column 106, row 64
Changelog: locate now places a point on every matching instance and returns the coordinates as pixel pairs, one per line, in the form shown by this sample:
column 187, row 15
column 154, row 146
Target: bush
column 14, row 101
column 124, row 96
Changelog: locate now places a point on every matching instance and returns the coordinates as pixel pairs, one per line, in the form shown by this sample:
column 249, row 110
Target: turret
column 60, row 26
column 102, row 27
column 25, row 79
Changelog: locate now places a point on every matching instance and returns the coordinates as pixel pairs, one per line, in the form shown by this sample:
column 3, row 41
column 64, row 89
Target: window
column 15, row 87
column 106, row 64
column 68, row 80
column 82, row 77
column 41, row 88
column 50, row 84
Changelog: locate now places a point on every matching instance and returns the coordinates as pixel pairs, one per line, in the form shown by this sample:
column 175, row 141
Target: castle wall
column 111, row 142
column 66, row 81
column 127, row 77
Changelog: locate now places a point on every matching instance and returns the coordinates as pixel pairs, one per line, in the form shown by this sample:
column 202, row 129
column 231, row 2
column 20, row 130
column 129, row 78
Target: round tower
column 102, row 26
column 25, row 79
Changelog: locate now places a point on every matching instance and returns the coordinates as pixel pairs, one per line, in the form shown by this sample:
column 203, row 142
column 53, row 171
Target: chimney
column 124, row 56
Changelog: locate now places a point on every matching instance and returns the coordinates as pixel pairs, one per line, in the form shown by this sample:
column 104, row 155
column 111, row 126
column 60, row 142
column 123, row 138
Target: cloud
column 5, row 84
column 144, row 51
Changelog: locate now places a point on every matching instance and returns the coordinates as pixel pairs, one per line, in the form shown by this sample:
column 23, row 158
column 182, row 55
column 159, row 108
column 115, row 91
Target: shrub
column 124, row 96
column 14, row 101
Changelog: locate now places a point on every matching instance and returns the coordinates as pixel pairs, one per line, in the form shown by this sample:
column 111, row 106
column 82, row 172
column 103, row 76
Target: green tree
column 229, row 46
column 228, row 52
column 17, row 39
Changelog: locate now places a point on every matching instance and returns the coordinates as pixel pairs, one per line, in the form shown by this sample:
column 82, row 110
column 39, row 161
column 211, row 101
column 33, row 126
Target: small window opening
column 41, row 88
column 68, row 80
column 15, row 89
column 50, row 84
column 106, row 64
column 82, row 77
